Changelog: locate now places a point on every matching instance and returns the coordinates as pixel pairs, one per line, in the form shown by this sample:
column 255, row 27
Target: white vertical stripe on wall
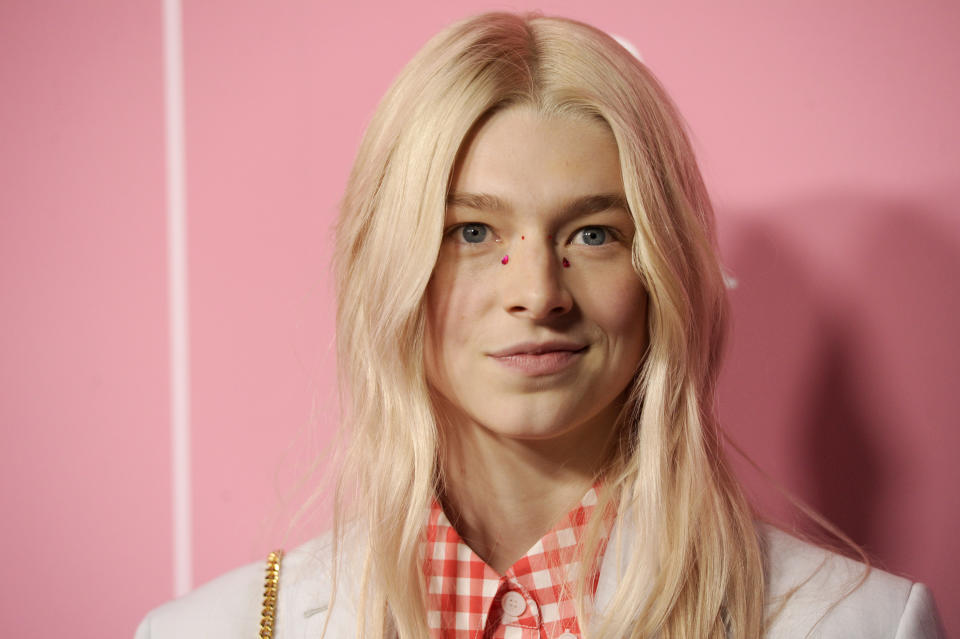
column 177, row 298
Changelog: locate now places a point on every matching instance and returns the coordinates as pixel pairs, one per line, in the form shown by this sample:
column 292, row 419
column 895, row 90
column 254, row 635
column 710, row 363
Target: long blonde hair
column 696, row 568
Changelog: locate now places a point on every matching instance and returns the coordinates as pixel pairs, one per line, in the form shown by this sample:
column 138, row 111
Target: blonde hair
column 698, row 571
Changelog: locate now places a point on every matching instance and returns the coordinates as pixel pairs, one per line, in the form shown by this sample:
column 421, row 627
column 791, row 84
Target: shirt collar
column 466, row 595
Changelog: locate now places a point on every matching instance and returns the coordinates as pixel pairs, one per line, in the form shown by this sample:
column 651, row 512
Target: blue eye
column 473, row 233
column 593, row 235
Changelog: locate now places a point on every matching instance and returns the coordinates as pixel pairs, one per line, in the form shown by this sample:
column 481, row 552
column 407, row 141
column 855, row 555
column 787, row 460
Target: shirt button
column 513, row 603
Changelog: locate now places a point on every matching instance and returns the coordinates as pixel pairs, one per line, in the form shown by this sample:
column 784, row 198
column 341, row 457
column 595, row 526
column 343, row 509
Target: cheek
column 630, row 308
column 456, row 298
column 619, row 308
column 437, row 327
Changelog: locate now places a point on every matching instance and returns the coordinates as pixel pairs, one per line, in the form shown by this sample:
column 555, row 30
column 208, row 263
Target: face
column 536, row 320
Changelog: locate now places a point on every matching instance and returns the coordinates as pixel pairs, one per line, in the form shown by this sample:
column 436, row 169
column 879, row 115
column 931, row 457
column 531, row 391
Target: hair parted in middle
column 696, row 568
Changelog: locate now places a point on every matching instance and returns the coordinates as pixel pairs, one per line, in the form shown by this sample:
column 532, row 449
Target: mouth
column 547, row 358
column 540, row 348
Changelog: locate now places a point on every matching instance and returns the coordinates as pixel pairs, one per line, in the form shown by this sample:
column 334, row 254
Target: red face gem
column 506, row 258
column 566, row 263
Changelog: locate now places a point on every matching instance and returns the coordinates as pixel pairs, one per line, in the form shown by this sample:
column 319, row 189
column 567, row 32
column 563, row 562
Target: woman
column 531, row 315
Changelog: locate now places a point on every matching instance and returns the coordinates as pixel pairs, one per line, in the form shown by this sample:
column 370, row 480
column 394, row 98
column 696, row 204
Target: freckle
column 506, row 258
column 566, row 263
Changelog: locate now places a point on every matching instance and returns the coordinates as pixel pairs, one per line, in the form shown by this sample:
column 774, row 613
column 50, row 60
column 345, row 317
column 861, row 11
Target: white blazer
column 884, row 607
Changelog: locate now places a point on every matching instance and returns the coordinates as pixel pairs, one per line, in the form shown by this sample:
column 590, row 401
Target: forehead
column 524, row 157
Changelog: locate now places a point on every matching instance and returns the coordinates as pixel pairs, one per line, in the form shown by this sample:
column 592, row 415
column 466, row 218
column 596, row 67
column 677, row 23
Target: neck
column 503, row 494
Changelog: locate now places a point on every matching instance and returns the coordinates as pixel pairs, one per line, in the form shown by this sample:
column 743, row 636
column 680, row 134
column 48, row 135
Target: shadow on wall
column 842, row 372
column 846, row 465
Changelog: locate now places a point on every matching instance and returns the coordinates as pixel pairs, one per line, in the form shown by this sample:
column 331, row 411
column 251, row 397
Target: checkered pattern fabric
column 467, row 599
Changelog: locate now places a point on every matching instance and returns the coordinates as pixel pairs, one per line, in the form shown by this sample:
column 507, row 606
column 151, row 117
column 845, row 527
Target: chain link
column 270, row 585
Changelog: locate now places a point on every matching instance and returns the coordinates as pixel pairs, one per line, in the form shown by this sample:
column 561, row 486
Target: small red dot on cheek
column 566, row 263
column 505, row 259
column 521, row 237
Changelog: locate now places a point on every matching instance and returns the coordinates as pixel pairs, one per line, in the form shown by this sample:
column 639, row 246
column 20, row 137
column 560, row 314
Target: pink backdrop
column 827, row 134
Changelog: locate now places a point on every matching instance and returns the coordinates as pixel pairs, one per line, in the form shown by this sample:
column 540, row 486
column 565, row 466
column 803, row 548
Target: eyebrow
column 578, row 206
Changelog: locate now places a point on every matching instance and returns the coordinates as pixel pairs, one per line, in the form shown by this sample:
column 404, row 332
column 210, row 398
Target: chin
column 529, row 424
column 529, row 432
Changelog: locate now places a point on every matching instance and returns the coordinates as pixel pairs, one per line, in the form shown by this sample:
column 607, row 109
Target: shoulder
column 230, row 605
column 811, row 589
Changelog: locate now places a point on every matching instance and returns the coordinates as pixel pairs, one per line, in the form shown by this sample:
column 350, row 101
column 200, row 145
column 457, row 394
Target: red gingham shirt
column 534, row 599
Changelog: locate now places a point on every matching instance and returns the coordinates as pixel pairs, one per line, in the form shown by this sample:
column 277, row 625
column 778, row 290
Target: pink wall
column 827, row 135
column 83, row 394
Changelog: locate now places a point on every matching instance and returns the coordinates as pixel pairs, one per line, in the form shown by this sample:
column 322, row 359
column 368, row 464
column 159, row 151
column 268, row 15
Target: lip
column 540, row 358
column 538, row 348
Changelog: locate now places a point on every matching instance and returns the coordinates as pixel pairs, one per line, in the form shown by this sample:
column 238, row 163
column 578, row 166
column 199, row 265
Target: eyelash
column 614, row 234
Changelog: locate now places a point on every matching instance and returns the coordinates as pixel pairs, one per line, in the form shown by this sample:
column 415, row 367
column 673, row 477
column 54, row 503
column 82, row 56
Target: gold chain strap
column 270, row 584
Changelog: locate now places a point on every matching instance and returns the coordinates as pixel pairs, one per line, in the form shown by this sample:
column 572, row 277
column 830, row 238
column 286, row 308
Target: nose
column 532, row 282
